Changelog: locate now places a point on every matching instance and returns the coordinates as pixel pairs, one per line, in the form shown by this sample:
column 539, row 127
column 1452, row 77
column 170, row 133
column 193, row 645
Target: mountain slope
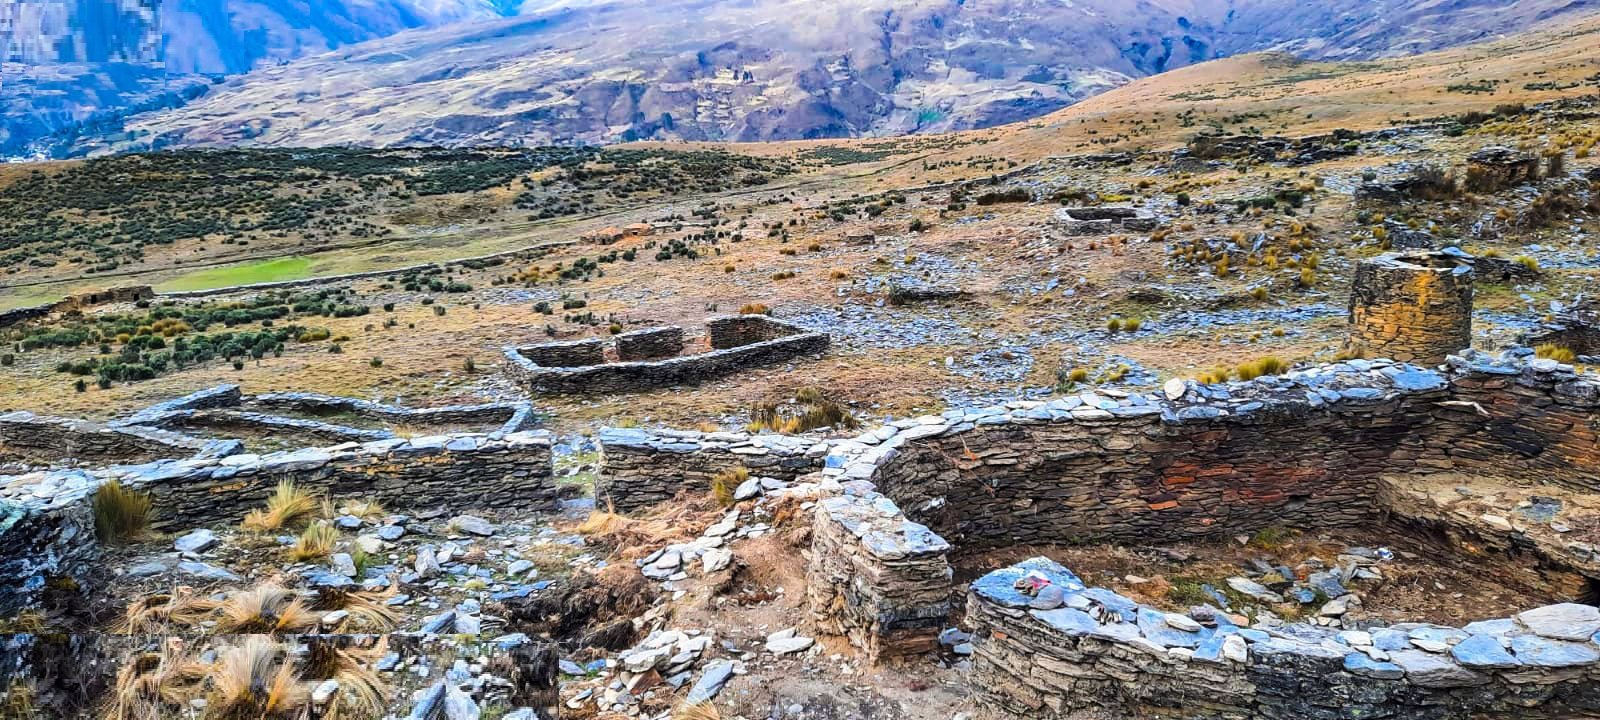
column 617, row 70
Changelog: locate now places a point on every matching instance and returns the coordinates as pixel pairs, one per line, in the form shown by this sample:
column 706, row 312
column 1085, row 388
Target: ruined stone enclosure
column 1412, row 307
column 660, row 357
column 1353, row 444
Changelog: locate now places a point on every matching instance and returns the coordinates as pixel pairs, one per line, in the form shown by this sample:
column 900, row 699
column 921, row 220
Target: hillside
column 701, row 70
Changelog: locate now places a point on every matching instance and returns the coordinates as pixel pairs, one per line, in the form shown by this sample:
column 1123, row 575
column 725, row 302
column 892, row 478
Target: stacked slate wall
column 740, row 343
column 1412, row 308
column 1103, row 655
column 46, row 529
column 39, row 438
column 643, row 468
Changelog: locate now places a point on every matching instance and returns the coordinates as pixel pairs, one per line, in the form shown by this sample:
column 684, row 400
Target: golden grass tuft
column 724, row 483
column 288, row 506
column 1558, row 353
column 158, row 614
column 316, row 541
column 266, row 610
column 255, row 679
column 120, row 514
column 697, row 711
column 150, row 686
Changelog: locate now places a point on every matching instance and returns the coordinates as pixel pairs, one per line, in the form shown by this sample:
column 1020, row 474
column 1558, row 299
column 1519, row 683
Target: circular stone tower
column 1412, row 307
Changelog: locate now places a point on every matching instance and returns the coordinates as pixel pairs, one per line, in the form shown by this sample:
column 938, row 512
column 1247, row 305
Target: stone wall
column 44, row 439
column 575, row 353
column 650, row 343
column 738, row 330
column 642, row 468
column 875, row 577
column 1576, row 329
column 743, row 342
column 1103, row 220
column 1307, row 449
column 1098, row 654
column 44, row 515
column 1411, row 308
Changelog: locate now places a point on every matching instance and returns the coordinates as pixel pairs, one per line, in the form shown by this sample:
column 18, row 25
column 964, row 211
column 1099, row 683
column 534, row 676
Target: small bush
column 376, row 362
column 120, row 514
column 754, row 309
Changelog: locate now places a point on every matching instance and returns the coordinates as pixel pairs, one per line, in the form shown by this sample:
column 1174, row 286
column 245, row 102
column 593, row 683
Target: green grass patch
column 275, row 270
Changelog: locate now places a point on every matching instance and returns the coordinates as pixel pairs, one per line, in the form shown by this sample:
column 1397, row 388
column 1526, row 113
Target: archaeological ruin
column 653, row 357
column 1412, row 307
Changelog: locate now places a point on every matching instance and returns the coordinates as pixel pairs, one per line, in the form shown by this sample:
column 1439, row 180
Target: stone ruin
column 651, row 358
column 1497, row 167
column 1341, row 445
column 1412, row 307
column 1576, row 328
column 1103, row 220
column 211, row 423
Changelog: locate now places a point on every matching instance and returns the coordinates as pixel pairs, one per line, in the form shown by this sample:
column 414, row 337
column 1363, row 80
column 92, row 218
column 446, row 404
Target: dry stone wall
column 1094, row 653
column 650, row 343
column 876, row 577
column 44, row 439
column 1412, row 308
column 43, row 515
column 739, row 343
column 641, row 468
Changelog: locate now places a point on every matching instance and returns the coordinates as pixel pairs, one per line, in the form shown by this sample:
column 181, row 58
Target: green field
column 275, row 270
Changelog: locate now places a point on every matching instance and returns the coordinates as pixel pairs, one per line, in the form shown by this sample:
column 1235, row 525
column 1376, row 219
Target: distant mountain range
column 503, row 72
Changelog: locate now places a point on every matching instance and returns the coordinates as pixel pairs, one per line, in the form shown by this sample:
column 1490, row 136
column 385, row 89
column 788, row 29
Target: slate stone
column 1546, row 653
column 1483, row 652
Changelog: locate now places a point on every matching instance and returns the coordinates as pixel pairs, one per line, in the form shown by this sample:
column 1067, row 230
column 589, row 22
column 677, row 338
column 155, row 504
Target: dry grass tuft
column 151, row 685
column 316, row 541
column 288, row 506
column 368, row 613
column 255, row 680
column 1558, row 353
column 120, row 514
column 724, row 483
column 697, row 711
column 158, row 614
column 265, row 610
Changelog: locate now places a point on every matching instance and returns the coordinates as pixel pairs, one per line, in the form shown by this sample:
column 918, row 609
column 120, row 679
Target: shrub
column 120, row 514
column 7, row 360
column 754, row 309
column 376, row 362
column 469, row 365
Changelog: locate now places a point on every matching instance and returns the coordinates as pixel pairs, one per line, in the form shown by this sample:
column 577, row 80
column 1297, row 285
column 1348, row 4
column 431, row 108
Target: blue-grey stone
column 1153, row 624
column 1544, row 652
column 711, row 682
column 1071, row 622
column 202, row 571
column 1360, row 664
column 1483, row 651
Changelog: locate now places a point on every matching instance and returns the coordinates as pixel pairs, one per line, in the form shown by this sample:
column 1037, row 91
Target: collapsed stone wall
column 1576, row 329
column 740, row 342
column 40, row 438
column 1412, row 308
column 49, row 510
column 640, row 468
column 1101, row 654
